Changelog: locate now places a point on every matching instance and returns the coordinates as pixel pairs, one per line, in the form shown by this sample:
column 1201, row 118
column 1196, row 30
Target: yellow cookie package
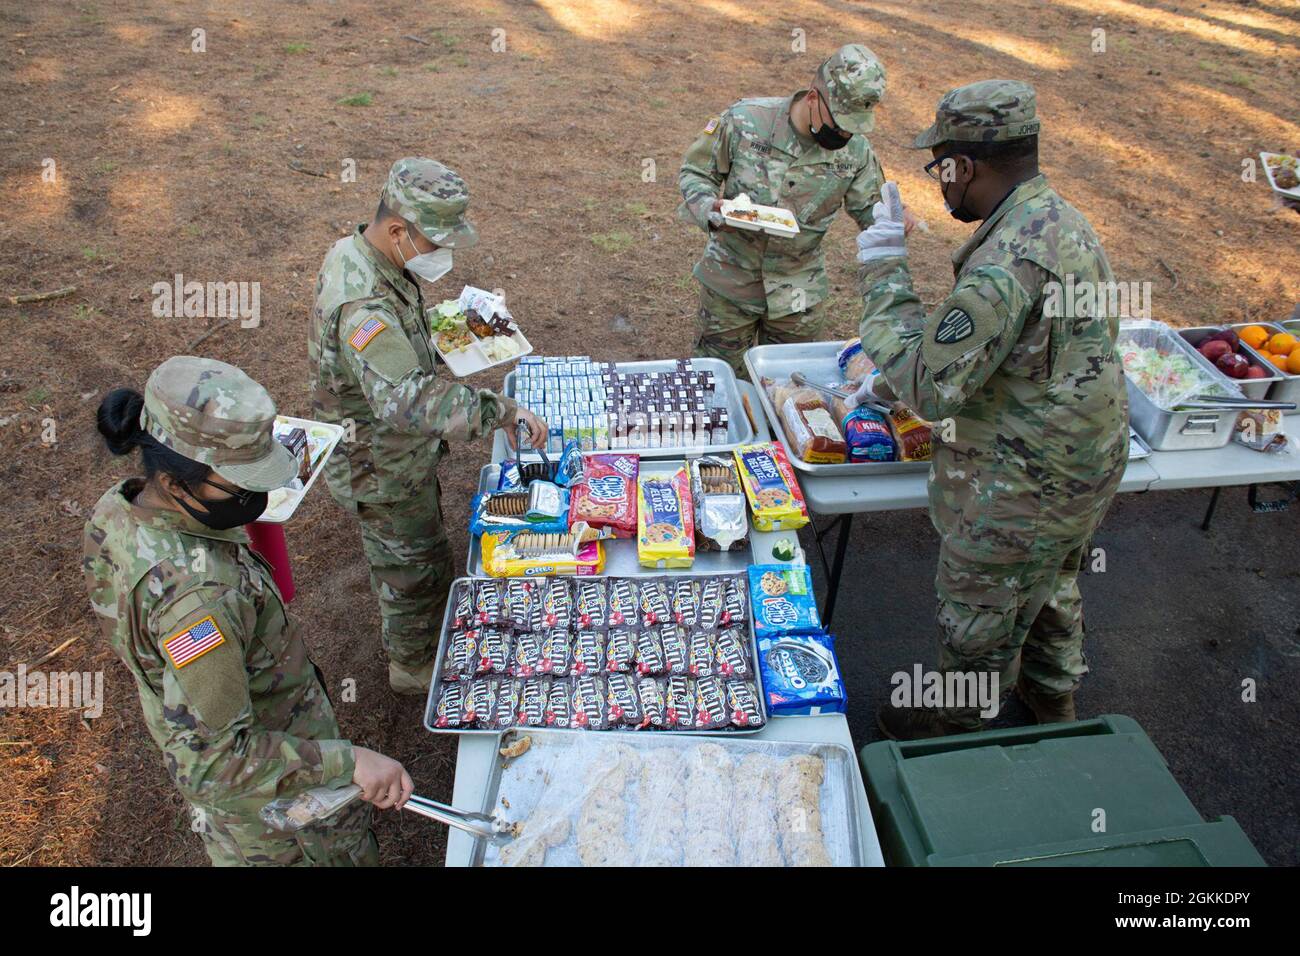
column 665, row 523
column 770, row 485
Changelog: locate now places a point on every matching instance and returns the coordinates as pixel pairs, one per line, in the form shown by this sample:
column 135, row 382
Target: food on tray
column 801, row 674
column 461, row 658
column 1164, row 374
column 770, row 485
column 1254, row 335
column 454, row 339
column 798, row 787
column 1261, row 429
column 508, row 554
column 533, row 696
column 665, row 524
column 809, row 426
column 742, row 703
column 1285, row 177
column 721, row 522
column 620, row 651
column 451, row 698
column 494, row 646
column 1222, row 349
column 711, row 710
column 605, row 496
column 853, row 362
column 913, row 434
column 746, row 210
column 489, row 602
column 588, row 699
column 295, row 440
column 781, row 600
column 868, row 436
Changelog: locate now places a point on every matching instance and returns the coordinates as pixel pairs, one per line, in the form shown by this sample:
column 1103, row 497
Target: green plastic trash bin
column 1092, row 793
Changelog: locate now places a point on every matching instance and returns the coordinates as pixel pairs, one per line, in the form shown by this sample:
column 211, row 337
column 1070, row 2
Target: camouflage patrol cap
column 432, row 198
column 213, row 413
column 852, row 80
column 990, row 111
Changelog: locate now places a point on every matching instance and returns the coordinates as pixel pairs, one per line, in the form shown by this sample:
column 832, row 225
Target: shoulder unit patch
column 954, row 327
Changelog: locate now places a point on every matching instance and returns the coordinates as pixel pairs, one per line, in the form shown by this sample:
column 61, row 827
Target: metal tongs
column 1230, row 403
column 844, row 394
column 521, row 444
column 492, row 829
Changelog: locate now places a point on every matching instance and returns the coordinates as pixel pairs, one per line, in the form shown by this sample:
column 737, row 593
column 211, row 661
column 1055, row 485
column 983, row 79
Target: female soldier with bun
column 229, row 693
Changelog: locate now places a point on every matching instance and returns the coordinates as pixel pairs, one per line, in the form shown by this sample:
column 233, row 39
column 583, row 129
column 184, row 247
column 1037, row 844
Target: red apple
column 1233, row 365
column 1256, row 372
column 1215, row 349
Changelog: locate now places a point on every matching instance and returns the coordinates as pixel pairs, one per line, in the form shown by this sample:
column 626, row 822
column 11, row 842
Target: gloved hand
column 873, row 389
column 884, row 238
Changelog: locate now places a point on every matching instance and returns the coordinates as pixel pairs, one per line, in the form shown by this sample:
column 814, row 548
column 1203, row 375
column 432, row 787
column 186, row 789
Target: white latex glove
column 865, row 391
column 884, row 238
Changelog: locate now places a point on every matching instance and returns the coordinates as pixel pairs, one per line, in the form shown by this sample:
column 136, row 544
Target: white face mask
column 429, row 266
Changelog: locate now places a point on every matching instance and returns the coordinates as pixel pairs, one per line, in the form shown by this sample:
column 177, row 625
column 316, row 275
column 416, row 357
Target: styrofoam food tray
column 472, row 360
column 771, row 228
column 283, row 502
column 1294, row 191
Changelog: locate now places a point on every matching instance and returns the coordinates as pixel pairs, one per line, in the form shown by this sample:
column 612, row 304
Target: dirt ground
column 225, row 165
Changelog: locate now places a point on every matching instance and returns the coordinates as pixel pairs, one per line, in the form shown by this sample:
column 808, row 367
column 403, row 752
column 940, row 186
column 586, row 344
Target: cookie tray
column 431, row 702
column 553, row 774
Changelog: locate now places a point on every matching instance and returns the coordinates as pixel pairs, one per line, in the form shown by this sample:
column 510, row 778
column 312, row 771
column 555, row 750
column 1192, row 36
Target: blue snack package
column 868, row 436
column 801, row 675
column 781, row 596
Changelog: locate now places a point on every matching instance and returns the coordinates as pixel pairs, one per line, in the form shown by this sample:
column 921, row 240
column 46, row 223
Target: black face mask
column 826, row 137
column 228, row 512
column 959, row 211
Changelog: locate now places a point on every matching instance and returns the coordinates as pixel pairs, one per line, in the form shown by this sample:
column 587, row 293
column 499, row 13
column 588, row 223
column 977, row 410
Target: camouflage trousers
column 726, row 330
column 1016, row 621
column 346, row 840
column 410, row 571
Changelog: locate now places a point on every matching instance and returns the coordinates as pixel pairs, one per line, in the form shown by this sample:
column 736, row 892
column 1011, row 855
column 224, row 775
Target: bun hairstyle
column 118, row 420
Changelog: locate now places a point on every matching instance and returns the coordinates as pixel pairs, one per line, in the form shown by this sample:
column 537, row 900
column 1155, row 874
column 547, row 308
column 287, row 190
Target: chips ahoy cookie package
column 665, row 522
column 770, row 485
column 781, row 600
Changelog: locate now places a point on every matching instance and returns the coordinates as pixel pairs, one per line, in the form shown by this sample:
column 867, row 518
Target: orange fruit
column 1283, row 343
column 1279, row 360
column 1293, row 362
column 1254, row 335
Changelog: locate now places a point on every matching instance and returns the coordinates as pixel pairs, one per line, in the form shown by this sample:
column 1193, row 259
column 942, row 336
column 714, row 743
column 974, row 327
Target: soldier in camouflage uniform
column 375, row 372
column 1036, row 410
column 228, row 690
column 807, row 153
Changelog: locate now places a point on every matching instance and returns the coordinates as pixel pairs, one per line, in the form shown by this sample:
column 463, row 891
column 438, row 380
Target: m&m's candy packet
column 781, row 600
column 665, row 524
column 770, row 485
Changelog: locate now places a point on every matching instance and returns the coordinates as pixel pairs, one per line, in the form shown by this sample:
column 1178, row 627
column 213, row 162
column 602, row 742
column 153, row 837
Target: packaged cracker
column 461, row 658
column 742, row 704
column 588, row 652
column 532, row 702
column 527, row 554
column 650, row 692
column 589, row 605
column 558, row 706
column 624, row 705
column 605, row 496
column 654, row 603
column 555, row 600
column 731, row 653
column 781, row 600
column 493, row 651
column 711, row 711
column 771, row 487
column 507, row 705
column 480, row 704
column 462, row 605
column 650, row 653
column 679, row 706
column 489, row 602
column 589, row 711
column 686, row 601
column 557, row 653
column 623, row 604
column 666, row 528
column 701, row 664
column 620, row 651
column 519, row 602
column 451, row 704
column 527, row 656
column 677, row 649
column 913, row 434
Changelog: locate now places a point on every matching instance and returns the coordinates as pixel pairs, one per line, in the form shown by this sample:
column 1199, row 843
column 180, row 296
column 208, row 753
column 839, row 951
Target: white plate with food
column 321, row 439
column 744, row 214
column 475, row 332
column 1282, row 170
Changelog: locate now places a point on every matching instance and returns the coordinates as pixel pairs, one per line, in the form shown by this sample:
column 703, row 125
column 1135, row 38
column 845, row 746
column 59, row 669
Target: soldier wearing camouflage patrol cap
column 229, row 693
column 807, row 153
column 376, row 372
column 1032, row 434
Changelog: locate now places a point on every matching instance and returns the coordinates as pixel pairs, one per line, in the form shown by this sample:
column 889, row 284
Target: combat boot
column 915, row 723
column 410, row 682
column 1047, row 708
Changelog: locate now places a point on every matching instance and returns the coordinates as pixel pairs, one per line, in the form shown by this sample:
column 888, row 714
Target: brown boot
column 413, row 682
column 1047, row 708
column 915, row 723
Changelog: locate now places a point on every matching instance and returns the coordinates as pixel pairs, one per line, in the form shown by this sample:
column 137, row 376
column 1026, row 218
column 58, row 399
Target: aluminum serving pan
column 726, row 395
column 1250, row 387
column 1287, row 387
column 555, row 775
column 1166, row 430
column 620, row 553
column 431, row 702
column 817, row 361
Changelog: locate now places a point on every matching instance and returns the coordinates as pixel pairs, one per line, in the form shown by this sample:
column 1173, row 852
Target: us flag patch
column 192, row 643
column 711, row 125
column 365, row 332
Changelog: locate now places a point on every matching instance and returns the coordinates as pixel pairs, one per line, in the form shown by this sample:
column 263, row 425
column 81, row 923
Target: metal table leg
column 1209, row 512
column 833, row 569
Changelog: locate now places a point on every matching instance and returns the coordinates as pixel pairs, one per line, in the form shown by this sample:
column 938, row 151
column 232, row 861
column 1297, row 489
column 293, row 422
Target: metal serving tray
column 515, row 787
column 431, row 702
column 620, row 553
column 1165, row 430
column 1250, row 387
column 1287, row 386
column 726, row 395
column 816, row 360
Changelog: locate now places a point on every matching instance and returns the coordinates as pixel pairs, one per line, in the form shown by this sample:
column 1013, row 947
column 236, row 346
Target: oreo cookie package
column 781, row 598
column 801, row 674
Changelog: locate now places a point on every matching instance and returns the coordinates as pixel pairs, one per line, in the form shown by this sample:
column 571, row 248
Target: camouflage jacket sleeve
column 217, row 751
column 934, row 363
column 704, row 170
column 864, row 192
column 401, row 393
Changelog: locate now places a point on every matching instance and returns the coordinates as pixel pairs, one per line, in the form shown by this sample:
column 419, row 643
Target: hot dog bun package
column 781, row 596
column 770, row 485
column 665, row 523
column 605, row 497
